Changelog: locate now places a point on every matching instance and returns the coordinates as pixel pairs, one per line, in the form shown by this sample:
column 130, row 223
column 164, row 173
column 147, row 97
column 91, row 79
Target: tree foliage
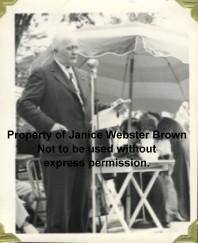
column 81, row 19
column 145, row 18
column 22, row 22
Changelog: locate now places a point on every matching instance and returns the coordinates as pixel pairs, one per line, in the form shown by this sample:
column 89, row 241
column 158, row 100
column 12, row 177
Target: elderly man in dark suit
column 57, row 98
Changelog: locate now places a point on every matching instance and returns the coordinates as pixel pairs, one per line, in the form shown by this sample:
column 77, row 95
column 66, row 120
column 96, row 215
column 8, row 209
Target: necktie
column 74, row 82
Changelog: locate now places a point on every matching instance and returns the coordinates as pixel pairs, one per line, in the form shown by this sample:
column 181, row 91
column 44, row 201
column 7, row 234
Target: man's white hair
column 59, row 38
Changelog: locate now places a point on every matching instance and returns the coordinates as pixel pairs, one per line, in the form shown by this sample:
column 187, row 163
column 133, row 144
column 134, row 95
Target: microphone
column 92, row 65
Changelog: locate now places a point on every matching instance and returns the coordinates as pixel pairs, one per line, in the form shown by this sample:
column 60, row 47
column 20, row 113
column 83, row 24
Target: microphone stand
column 92, row 64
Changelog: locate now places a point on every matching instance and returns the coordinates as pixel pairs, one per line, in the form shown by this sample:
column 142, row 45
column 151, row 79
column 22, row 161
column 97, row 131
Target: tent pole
column 125, row 72
column 178, row 82
column 128, row 197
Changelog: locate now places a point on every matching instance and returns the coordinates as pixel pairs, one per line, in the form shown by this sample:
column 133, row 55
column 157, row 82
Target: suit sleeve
column 28, row 106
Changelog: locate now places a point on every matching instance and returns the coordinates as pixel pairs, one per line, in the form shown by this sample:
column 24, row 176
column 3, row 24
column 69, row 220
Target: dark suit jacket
column 49, row 98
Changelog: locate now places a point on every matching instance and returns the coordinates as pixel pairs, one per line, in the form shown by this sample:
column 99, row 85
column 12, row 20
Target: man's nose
column 74, row 52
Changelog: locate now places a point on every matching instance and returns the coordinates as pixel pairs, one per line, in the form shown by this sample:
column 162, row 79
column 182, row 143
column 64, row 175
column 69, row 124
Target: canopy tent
column 120, row 39
column 159, row 59
column 159, row 72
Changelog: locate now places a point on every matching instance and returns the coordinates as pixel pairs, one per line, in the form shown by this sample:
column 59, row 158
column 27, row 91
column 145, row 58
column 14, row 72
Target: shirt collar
column 67, row 69
column 61, row 65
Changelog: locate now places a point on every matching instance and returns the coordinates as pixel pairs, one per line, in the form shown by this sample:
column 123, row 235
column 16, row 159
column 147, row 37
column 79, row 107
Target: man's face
column 67, row 51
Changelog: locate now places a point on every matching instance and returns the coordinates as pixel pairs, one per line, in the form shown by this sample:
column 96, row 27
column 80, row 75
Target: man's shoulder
column 43, row 68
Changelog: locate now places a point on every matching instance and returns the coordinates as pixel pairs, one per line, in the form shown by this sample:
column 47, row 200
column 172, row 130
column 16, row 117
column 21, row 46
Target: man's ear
column 55, row 51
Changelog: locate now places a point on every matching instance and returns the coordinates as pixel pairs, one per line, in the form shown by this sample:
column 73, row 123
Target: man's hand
column 121, row 105
column 58, row 127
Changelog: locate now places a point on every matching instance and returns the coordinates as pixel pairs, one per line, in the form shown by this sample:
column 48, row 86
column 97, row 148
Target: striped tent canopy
column 160, row 73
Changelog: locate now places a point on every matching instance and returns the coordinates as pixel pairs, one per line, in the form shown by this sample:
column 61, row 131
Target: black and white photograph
column 104, row 125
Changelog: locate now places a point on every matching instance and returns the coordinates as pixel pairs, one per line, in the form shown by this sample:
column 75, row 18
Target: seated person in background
column 25, row 193
column 180, row 174
column 159, row 194
column 22, row 221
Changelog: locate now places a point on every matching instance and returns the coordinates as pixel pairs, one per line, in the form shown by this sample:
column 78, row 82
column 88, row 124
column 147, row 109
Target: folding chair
column 21, row 165
column 36, row 180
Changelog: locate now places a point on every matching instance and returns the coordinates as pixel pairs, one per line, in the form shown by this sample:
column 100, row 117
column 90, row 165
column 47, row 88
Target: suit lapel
column 62, row 78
